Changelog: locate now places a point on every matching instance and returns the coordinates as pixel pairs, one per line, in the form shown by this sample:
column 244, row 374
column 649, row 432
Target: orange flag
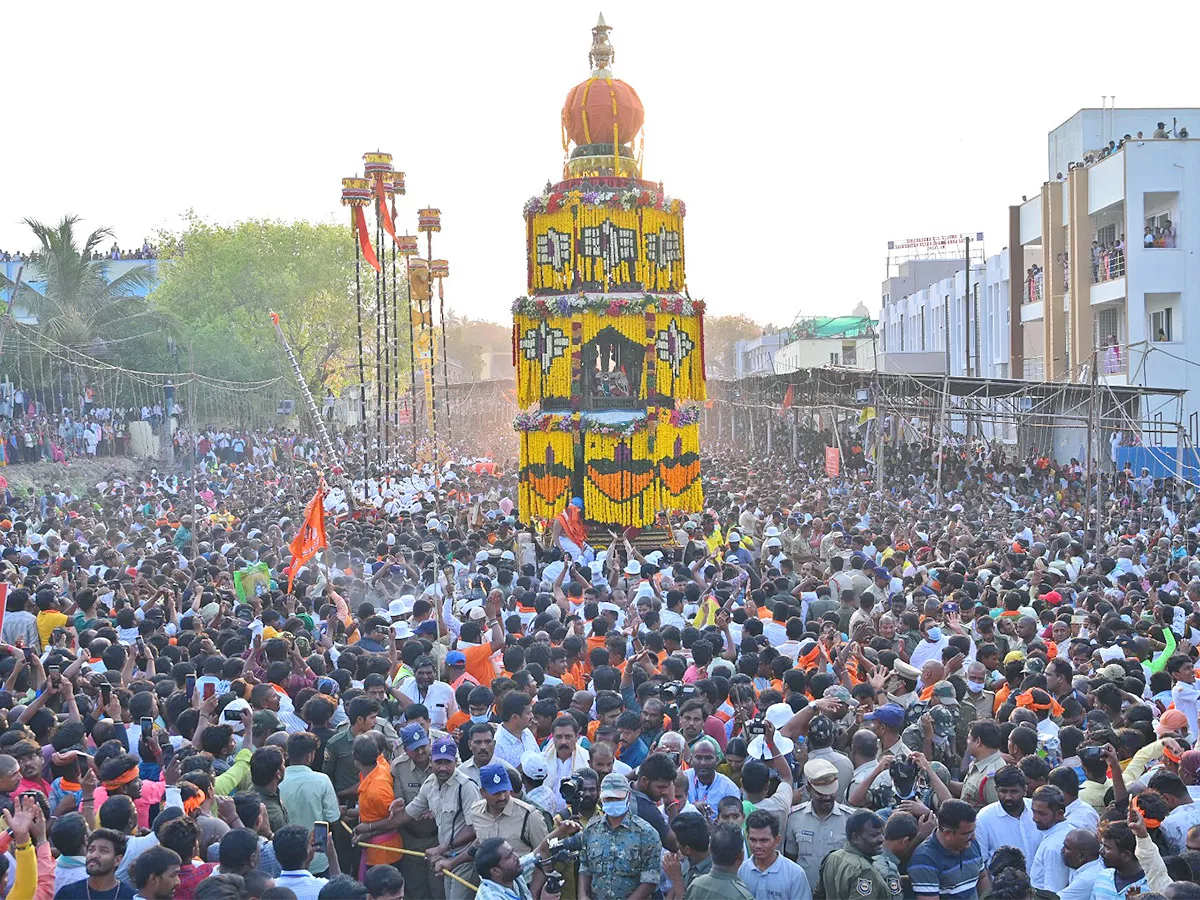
column 311, row 537
column 789, row 398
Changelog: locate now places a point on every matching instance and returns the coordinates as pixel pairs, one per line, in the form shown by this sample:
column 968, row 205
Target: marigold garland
column 541, row 351
column 620, row 485
column 677, row 454
column 636, row 197
column 541, row 421
column 648, row 243
column 605, row 304
column 677, row 374
column 547, row 466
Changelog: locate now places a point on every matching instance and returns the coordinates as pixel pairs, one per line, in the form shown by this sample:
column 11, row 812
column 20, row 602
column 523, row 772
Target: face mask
column 975, row 687
column 615, row 808
column 480, row 720
column 935, row 634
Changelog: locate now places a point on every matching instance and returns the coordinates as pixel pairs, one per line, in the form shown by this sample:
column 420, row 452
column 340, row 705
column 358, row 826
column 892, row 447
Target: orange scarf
column 1025, row 701
column 194, row 803
column 572, row 525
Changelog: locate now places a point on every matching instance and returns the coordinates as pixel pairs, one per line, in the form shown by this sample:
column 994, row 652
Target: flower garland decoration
column 544, row 422
column 636, row 197
column 597, row 245
column 677, row 456
column 679, row 359
column 547, row 464
column 620, row 485
column 605, row 304
column 540, row 353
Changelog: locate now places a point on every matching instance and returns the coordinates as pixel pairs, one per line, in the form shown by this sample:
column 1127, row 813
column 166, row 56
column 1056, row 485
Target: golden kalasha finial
column 602, row 54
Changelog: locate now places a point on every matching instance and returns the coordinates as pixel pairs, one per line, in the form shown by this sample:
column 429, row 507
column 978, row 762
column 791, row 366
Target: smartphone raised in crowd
column 320, row 836
column 190, row 686
column 147, row 727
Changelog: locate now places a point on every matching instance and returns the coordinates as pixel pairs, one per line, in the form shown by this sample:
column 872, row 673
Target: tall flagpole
column 356, row 193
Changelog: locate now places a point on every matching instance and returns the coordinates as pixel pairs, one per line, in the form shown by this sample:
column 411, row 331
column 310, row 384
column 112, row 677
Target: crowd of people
column 146, row 251
column 966, row 687
column 1108, row 259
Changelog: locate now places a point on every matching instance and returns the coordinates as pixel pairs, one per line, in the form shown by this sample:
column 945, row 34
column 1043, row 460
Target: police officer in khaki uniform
column 850, row 872
column 818, row 826
column 499, row 814
column 447, row 795
column 983, row 743
column 410, row 770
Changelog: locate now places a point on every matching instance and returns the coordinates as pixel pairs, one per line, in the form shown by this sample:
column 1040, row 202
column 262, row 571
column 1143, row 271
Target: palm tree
column 77, row 304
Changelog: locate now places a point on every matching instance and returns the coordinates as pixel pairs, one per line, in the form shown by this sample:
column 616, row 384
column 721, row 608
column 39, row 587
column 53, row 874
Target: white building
column 1115, row 227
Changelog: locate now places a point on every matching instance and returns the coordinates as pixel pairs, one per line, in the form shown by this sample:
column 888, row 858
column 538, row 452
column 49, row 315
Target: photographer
column 505, row 876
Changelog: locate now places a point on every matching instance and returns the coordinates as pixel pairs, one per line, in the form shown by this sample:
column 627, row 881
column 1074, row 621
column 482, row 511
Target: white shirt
column 927, row 650
column 301, row 882
column 1083, row 881
column 438, row 699
column 1185, row 696
column 1048, row 872
column 509, row 748
column 995, row 828
column 1082, row 816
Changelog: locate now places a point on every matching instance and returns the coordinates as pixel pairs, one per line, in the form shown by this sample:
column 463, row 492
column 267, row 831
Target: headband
column 121, row 780
column 1150, row 823
column 1171, row 756
column 194, row 803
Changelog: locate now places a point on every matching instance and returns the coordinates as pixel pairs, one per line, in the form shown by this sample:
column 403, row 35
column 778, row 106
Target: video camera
column 561, row 850
column 757, row 726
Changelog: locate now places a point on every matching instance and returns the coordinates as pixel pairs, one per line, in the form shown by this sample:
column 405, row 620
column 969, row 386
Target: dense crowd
column 815, row 688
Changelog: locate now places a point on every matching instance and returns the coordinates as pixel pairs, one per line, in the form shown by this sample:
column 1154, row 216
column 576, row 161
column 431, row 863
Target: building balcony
column 1033, row 368
column 1032, row 312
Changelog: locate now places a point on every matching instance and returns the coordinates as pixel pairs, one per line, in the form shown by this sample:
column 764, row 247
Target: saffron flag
column 364, row 238
column 385, row 214
column 833, row 462
column 311, row 537
column 789, row 398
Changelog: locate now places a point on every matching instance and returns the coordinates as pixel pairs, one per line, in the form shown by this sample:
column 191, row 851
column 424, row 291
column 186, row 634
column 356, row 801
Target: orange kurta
column 375, row 795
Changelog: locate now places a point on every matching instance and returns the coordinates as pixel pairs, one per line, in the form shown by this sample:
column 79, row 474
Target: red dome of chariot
column 593, row 106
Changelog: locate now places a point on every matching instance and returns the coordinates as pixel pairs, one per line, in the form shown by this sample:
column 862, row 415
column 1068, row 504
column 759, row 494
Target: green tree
column 221, row 282
column 720, row 335
column 75, row 301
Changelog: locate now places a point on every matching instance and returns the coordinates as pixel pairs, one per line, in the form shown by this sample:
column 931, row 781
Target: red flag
column 364, row 238
column 789, row 398
column 388, row 225
column 3, row 600
column 311, row 537
column 833, row 462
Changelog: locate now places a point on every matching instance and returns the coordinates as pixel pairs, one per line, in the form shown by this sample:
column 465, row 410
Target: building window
column 922, row 327
column 833, row 359
column 1159, row 215
column 1160, row 326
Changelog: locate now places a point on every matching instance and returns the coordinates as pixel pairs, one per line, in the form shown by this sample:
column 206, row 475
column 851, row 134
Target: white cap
column 533, row 764
column 508, row 555
column 734, row 537
column 237, row 706
column 633, row 567
column 481, row 556
column 478, row 614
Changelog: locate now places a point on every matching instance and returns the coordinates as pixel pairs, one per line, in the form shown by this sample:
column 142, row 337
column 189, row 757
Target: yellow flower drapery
column 547, row 465
column 620, row 486
column 679, row 355
column 543, row 352
column 677, row 458
column 581, row 243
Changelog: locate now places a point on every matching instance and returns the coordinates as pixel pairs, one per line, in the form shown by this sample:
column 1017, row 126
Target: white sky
column 802, row 137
